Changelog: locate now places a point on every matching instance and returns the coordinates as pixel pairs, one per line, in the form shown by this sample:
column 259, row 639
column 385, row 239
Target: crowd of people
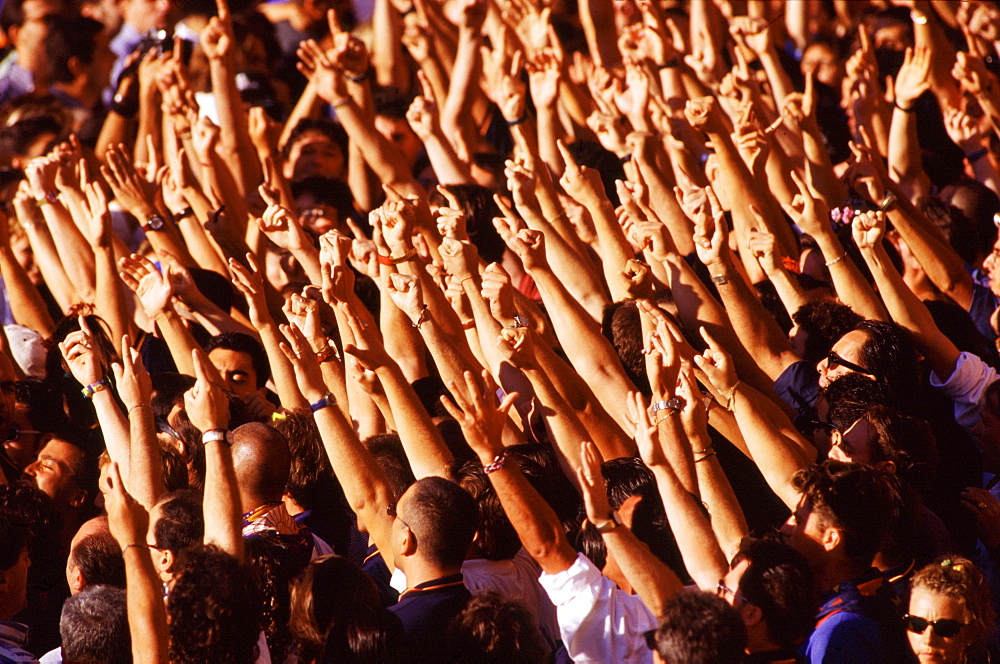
column 553, row 331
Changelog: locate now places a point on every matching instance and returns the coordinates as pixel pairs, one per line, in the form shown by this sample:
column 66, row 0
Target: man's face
column 314, row 153
column 399, row 133
column 992, row 266
column 855, row 445
column 99, row 71
column 805, row 534
column 238, row 374
column 30, row 44
column 283, row 271
column 847, row 347
column 53, row 472
column 146, row 15
column 730, row 584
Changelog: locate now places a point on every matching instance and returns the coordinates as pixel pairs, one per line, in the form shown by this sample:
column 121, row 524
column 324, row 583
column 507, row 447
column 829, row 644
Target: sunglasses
column 944, row 628
column 833, row 360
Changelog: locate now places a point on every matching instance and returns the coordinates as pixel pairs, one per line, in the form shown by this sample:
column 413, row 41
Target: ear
column 164, row 562
column 79, row 498
column 75, row 66
column 831, row 538
column 407, row 543
column 751, row 614
column 887, row 466
column 76, row 580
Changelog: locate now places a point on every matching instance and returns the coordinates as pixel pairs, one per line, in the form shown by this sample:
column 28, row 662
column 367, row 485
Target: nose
column 823, row 366
column 32, row 469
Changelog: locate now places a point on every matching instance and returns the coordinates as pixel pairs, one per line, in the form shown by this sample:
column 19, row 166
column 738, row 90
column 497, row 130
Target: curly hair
column 957, row 577
column 492, row 629
column 824, row 322
column 273, row 567
column 213, row 609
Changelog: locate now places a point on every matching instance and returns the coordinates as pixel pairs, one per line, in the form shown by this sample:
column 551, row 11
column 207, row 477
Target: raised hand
column 544, row 72
column 99, row 222
column 476, row 411
column 131, row 190
column 702, row 113
column 128, row 520
column 498, row 292
column 591, row 480
column 423, row 112
column 404, row 290
column 251, row 284
column 451, row 220
column 638, row 412
column 636, row 279
column 761, row 245
column 717, row 365
column 808, row 210
column 153, row 288
column 280, row 225
column 135, row 387
column 515, row 345
column 302, row 310
column 323, row 73
column 348, row 53
column 83, row 355
column 970, row 134
column 205, row 137
column 217, row 37
column 459, row 258
column 582, row 183
column 868, row 228
column 914, row 77
column 367, row 347
column 206, row 403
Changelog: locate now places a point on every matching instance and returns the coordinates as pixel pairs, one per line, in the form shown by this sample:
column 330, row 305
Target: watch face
column 154, row 223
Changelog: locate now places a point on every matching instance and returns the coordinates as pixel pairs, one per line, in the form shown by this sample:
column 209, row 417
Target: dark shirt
column 798, row 385
column 781, row 656
column 375, row 567
column 984, row 303
column 858, row 622
column 426, row 610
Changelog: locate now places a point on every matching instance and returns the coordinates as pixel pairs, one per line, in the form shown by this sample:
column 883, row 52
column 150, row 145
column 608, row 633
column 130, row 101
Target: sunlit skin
column 853, row 445
column 314, row 154
column 848, row 347
column 929, row 647
column 991, row 264
column 236, row 368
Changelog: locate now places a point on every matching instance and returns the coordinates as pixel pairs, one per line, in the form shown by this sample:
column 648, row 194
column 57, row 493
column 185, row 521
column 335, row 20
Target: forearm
column 73, row 249
column 50, row 265
column 383, row 157
column 851, row 287
column 307, row 106
column 789, row 291
column 702, row 555
column 111, row 303
column 565, row 429
column 727, row 517
column 464, row 76
column 613, row 247
column 281, row 371
column 179, row 341
column 234, row 134
column 26, row 303
column 147, row 613
column 145, row 478
column 203, row 250
column 664, row 204
column 115, row 429
column 653, row 581
column 425, row 449
column 781, row 84
column 904, row 151
column 448, row 168
column 223, row 515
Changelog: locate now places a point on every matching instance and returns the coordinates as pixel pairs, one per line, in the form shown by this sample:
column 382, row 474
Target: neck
column 80, row 89
column 421, row 571
column 839, row 571
column 758, row 639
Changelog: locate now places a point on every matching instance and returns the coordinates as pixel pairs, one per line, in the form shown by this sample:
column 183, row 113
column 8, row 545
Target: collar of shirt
column 450, row 581
column 14, row 633
column 849, row 592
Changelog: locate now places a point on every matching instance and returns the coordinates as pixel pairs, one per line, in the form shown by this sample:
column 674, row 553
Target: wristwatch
column 674, row 404
column 153, row 223
column 607, row 526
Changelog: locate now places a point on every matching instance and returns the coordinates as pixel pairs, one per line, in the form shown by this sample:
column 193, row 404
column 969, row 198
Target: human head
column 776, row 580
column 949, row 589
column 818, row 325
column 77, row 48
column 95, row 558
column 66, row 473
column 480, row 209
column 698, row 628
column 145, row 15
column 337, row 610
column 315, row 148
column 390, row 121
column 884, row 350
column 241, row 360
column 24, row 23
column 493, row 630
column 844, row 512
column 884, row 437
column 94, row 626
column 311, row 482
column 14, row 562
column 261, row 462
column 324, row 204
column 496, row 538
column 436, row 520
column 175, row 523
column 213, row 608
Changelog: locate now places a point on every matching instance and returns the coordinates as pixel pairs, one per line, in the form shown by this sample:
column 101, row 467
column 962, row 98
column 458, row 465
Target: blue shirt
column 858, row 622
column 426, row 610
column 984, row 303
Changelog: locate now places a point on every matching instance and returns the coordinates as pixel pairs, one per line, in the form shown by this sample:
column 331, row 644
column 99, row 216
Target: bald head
column 261, row 460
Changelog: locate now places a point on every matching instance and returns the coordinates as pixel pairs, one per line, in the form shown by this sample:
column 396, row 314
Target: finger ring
column 298, row 354
column 982, row 506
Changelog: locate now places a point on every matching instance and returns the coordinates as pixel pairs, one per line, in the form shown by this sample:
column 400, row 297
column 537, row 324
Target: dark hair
column 16, row 528
column 480, row 209
column 853, row 498
column 94, row 626
column 70, row 37
column 181, row 524
column 332, row 130
column 168, row 391
column 850, row 395
column 388, row 452
column 310, row 476
column 390, row 103
column 175, row 471
column 496, row 538
column 213, row 608
column 621, row 326
column 605, row 162
column 99, row 558
column 890, row 353
column 699, row 628
column 29, row 517
column 444, row 519
column 493, row 630
column 780, row 583
column 824, row 322
column 243, row 343
column 906, row 441
column 336, row 609
column 273, row 566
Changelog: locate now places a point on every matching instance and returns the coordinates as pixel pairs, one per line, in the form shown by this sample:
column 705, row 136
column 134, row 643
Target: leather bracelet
column 359, row 79
column 469, row 324
column 512, row 123
column 186, row 212
column 327, row 354
column 977, row 155
column 135, row 545
column 421, row 319
column 905, row 110
column 403, row 258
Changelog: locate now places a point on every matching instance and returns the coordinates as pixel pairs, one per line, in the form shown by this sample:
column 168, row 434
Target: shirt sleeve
column 965, row 386
column 597, row 621
column 844, row 638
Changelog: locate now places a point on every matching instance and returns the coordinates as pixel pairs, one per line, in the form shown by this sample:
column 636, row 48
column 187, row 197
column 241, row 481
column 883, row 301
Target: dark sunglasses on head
column 944, row 628
column 833, row 360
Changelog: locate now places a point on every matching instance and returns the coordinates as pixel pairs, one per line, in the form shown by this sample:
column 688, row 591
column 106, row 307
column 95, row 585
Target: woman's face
column 930, row 647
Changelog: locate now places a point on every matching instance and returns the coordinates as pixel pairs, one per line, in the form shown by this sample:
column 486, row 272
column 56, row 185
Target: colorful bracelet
column 497, row 463
column 94, row 388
